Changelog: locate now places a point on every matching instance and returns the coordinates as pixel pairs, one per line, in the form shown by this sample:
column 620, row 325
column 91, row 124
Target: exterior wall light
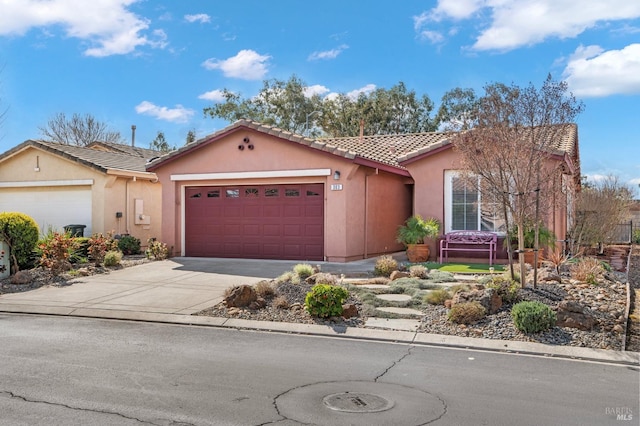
column 336, row 175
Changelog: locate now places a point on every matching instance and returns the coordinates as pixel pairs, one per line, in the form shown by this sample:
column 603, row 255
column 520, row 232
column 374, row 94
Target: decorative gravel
column 605, row 301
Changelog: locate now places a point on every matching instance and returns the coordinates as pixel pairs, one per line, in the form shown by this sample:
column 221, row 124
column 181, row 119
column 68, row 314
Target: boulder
column 547, row 275
column 395, row 275
column 21, row 277
column 240, row 296
column 349, row 310
column 259, row 303
column 573, row 315
column 488, row 297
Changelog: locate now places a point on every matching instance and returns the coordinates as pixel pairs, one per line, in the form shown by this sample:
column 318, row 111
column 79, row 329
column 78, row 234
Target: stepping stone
column 401, row 311
column 375, row 286
column 394, row 297
column 394, row 324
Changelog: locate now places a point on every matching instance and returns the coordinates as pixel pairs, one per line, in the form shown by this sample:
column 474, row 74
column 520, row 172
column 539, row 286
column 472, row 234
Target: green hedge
column 21, row 233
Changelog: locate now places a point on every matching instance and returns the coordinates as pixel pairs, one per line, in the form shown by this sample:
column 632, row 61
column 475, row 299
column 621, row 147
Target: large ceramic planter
column 418, row 253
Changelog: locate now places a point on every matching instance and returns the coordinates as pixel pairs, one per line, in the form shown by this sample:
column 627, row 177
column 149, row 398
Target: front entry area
column 255, row 221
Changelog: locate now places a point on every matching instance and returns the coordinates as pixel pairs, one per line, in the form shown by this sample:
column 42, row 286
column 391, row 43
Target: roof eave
column 132, row 174
column 381, row 166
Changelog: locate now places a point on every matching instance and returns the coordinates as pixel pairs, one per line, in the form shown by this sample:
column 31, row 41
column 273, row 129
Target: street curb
column 403, row 337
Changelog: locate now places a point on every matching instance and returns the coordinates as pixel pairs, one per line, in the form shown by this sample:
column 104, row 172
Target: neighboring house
column 103, row 187
column 254, row 191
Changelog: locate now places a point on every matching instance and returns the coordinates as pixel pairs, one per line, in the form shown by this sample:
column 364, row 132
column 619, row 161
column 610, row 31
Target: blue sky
column 157, row 64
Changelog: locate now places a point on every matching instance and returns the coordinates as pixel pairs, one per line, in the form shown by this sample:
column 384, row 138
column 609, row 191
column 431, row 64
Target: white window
column 466, row 209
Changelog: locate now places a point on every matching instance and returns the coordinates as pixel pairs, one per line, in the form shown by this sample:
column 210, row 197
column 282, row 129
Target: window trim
column 448, row 200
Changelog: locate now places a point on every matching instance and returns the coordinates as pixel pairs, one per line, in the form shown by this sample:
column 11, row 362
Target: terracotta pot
column 417, row 253
column 529, row 256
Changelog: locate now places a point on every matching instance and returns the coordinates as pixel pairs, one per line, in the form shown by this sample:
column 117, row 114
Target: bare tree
column 78, row 130
column 600, row 208
column 514, row 152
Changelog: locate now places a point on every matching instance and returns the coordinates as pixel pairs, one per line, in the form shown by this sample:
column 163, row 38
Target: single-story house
column 255, row 191
column 103, row 187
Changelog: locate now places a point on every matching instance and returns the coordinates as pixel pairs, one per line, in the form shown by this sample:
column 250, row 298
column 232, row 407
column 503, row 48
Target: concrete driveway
column 177, row 286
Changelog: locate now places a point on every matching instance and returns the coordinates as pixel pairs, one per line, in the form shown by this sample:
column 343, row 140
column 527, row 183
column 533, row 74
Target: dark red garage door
column 255, row 222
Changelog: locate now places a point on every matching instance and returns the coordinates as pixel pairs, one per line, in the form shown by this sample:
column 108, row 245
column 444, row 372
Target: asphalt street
column 79, row 371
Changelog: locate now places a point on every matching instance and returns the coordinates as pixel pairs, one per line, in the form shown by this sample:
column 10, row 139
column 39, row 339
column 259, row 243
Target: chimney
column 361, row 129
column 133, row 135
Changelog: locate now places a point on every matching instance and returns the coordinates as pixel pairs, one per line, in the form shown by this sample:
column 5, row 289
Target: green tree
column 383, row 111
column 458, row 110
column 191, row 137
column 285, row 104
column 160, row 143
column 510, row 152
column 78, row 130
column 279, row 103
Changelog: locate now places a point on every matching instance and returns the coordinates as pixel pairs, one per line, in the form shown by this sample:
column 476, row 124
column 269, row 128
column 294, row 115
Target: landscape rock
column 21, row 277
column 240, row 297
column 349, row 310
column 395, row 275
column 573, row 315
column 488, row 298
column 259, row 303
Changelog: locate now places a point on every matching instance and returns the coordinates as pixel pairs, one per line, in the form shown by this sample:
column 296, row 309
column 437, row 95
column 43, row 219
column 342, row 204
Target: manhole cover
column 357, row 402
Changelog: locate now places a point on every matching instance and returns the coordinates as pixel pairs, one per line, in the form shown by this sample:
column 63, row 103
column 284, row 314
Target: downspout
column 126, row 207
column 366, row 214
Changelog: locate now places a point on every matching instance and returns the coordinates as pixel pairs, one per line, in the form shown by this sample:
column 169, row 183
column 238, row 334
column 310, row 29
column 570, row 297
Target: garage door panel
column 271, row 222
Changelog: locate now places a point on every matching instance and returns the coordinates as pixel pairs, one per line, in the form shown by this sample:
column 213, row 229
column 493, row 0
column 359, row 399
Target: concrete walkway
column 170, row 291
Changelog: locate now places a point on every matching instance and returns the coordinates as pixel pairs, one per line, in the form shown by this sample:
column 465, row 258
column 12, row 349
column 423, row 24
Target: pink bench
column 469, row 241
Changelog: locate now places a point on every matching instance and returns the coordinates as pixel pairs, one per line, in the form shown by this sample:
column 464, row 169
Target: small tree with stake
column 513, row 152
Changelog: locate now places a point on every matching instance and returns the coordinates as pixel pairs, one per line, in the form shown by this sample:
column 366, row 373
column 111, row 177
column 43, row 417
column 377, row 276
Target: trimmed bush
column 264, row 289
column 281, row 302
column 20, row 232
column 533, row 316
column 325, row 300
column 156, row 250
column 303, row 270
column 128, row 244
column 506, row 289
column 112, row 258
column 466, row 313
column 385, row 265
column 56, row 250
column 418, row 271
column 99, row 245
column 437, row 297
column 587, row 269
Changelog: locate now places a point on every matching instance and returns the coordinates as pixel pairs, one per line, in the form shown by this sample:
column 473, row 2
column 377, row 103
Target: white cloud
column 516, row 23
column 200, row 17
column 433, row 37
column 179, row 114
column 593, row 72
column 108, row 25
column 328, row 54
column 363, row 90
column 247, row 65
column 216, row 95
column 316, row 89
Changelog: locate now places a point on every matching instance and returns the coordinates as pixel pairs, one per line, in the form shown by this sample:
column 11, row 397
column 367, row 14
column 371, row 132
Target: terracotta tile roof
column 383, row 149
column 386, row 150
column 94, row 158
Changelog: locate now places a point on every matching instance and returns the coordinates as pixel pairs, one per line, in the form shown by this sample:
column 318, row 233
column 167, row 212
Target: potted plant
column 413, row 234
column 546, row 239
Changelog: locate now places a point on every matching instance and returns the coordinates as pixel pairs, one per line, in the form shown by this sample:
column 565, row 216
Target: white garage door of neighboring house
column 51, row 206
